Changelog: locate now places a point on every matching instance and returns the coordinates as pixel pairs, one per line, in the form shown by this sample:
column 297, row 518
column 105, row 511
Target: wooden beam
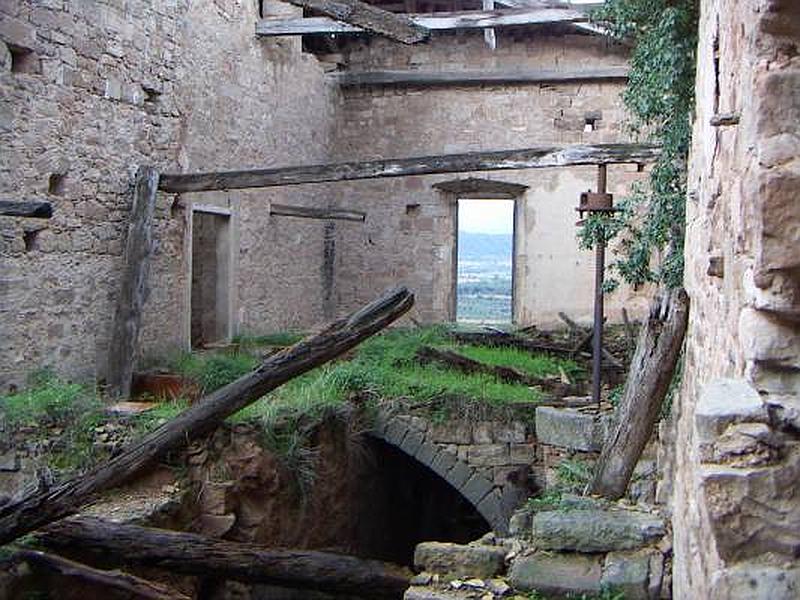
column 526, row 158
column 41, row 507
column 493, row 77
column 108, row 584
column 484, row 19
column 369, row 18
column 304, row 212
column 194, row 554
column 139, row 247
column 33, row 209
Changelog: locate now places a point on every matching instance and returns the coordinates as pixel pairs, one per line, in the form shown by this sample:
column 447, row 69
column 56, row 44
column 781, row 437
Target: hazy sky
column 486, row 216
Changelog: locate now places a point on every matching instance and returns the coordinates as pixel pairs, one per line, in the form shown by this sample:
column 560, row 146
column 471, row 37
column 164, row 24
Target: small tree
column 660, row 102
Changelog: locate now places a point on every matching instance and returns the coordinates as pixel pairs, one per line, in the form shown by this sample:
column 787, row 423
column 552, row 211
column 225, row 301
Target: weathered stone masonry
column 736, row 512
column 89, row 91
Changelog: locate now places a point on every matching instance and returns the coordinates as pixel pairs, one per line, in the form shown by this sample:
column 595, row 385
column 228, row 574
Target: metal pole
column 599, row 266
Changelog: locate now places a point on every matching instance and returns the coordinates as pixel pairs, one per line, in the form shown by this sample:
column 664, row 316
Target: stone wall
column 409, row 234
column 736, row 512
column 90, row 90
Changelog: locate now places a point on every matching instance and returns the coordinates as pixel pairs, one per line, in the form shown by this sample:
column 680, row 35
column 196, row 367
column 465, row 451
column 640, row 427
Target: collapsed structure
column 92, row 91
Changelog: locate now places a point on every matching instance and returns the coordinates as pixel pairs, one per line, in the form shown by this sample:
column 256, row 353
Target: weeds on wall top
column 660, row 102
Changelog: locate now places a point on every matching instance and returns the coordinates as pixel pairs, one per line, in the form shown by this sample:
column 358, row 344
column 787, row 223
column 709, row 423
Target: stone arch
column 494, row 502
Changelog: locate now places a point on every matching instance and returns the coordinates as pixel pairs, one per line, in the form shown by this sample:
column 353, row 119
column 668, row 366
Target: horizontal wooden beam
column 305, row 212
column 33, row 208
column 369, row 18
column 493, row 77
column 525, row 158
column 439, row 21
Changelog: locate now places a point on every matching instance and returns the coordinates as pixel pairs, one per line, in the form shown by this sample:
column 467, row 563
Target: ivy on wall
column 660, row 100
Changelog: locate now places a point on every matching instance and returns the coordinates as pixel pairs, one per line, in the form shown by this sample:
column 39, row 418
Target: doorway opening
column 211, row 278
column 485, row 270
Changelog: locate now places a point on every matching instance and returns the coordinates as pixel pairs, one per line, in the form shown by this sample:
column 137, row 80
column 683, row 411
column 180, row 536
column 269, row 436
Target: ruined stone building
column 90, row 90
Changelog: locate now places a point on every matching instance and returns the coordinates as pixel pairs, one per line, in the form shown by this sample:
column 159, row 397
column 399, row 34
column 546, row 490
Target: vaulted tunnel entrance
column 407, row 503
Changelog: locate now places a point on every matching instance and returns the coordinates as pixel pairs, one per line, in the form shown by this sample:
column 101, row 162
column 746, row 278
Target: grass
column 383, row 369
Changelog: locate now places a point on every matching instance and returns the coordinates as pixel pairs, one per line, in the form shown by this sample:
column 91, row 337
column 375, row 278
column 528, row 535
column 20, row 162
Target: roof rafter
column 439, row 21
column 370, row 18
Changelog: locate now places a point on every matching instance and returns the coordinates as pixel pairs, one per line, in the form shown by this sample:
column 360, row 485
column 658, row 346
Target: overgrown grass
column 539, row 365
column 212, row 370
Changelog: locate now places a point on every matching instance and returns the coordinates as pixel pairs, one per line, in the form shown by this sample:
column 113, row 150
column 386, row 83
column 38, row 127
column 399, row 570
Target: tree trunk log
column 195, row 554
column 139, row 248
column 502, row 339
column 457, row 361
column 649, row 378
column 114, row 584
column 40, row 508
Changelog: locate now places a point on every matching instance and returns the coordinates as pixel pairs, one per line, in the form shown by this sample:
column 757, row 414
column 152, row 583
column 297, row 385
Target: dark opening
column 57, row 183
column 406, row 503
column 30, row 239
column 23, row 60
column 210, row 279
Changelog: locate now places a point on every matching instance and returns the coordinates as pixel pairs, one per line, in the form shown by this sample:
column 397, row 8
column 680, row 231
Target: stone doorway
column 500, row 197
column 211, row 277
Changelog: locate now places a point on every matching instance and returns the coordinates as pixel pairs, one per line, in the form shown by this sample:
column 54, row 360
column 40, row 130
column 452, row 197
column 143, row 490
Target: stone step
column 595, row 530
column 638, row 575
column 456, row 560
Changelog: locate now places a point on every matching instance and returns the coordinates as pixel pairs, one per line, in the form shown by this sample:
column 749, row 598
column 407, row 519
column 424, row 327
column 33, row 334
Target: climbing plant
column 659, row 98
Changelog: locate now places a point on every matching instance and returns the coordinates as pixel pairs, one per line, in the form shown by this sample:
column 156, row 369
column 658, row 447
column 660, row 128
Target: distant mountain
column 473, row 246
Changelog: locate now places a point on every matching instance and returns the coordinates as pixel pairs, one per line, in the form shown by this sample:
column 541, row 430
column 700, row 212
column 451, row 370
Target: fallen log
column 649, row 378
column 114, row 584
column 454, row 360
column 42, row 507
column 195, row 554
column 501, row 339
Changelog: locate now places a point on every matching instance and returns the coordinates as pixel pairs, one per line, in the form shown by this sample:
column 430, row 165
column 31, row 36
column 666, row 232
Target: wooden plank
column 194, row 554
column 305, row 212
column 526, row 158
column 478, row 19
column 471, row 77
column 370, row 18
column 32, row 209
column 139, row 248
column 41, row 507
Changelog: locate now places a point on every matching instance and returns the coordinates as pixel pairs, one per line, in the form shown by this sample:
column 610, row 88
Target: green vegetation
column 660, row 101
column 384, row 369
column 605, row 594
column 573, row 476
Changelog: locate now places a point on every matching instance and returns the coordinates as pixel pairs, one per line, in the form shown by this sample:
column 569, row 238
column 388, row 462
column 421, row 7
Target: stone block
column 443, row 462
column 557, row 574
column 412, row 442
column 726, row 401
column 454, row 432
column 568, row 428
column 482, row 432
column 426, row 453
column 455, row 560
column 592, row 530
column 755, row 582
column 522, row 454
column 396, row 432
column 629, row 573
column 458, row 475
column 513, row 432
column 492, row 509
column 476, row 487
column 488, row 455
